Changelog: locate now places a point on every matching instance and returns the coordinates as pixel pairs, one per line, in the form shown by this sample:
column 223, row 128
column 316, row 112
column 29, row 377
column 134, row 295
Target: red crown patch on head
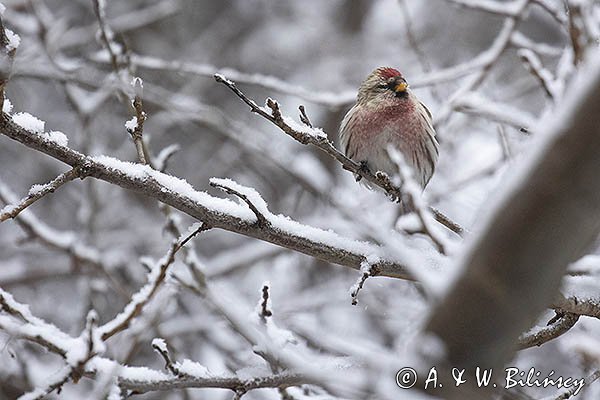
column 387, row 72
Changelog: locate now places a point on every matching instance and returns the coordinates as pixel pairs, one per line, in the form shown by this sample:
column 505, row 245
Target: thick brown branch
column 147, row 185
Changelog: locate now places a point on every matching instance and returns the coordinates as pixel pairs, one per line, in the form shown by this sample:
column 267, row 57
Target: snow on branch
column 36, row 192
column 476, row 104
column 83, row 359
column 556, row 327
column 307, row 134
column 500, row 285
column 217, row 213
column 413, row 199
column 156, row 277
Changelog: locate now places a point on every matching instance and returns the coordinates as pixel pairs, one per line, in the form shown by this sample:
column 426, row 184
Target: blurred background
column 482, row 94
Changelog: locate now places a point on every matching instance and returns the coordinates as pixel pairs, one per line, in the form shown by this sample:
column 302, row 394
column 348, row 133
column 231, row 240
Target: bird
column 387, row 113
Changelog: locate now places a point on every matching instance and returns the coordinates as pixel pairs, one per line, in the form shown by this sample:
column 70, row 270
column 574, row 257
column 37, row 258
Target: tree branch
column 36, row 193
column 215, row 212
column 316, row 137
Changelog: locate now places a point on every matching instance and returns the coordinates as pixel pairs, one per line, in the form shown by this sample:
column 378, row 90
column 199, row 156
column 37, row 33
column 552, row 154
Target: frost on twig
column 37, row 192
column 248, row 195
column 307, row 134
column 412, row 197
column 365, row 270
column 556, row 327
column 135, row 126
column 156, row 277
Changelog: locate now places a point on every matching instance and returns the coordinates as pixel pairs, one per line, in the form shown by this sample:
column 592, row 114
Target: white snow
column 29, row 122
column 57, row 137
column 192, row 368
column 131, row 124
column 7, row 106
column 14, row 40
column 37, row 189
column 300, row 127
column 160, row 344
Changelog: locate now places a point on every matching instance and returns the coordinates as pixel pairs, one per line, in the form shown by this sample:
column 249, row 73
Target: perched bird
column 388, row 113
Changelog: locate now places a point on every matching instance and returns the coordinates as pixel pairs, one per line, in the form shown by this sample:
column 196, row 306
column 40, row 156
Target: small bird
column 388, row 113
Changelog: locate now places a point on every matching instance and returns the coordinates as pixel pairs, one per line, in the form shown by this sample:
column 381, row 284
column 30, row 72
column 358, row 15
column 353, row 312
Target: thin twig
column 318, row 138
column 37, row 193
column 139, row 301
column 261, row 219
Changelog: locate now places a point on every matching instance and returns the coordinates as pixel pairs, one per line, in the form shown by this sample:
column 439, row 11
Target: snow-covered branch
column 307, row 134
column 215, row 212
column 559, row 175
column 35, row 193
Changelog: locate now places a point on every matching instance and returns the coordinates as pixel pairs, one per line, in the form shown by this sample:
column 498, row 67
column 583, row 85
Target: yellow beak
column 401, row 87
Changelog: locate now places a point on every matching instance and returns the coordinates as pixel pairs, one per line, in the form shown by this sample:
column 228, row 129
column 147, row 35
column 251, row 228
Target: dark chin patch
column 402, row 95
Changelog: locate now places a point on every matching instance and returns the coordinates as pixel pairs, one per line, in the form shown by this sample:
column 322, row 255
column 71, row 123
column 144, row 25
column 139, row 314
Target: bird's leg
column 364, row 167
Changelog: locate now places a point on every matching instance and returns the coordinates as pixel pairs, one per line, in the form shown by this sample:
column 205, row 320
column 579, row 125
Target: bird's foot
column 364, row 167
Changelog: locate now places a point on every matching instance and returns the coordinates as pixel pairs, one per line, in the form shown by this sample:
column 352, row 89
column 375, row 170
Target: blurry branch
column 65, row 241
column 215, row 212
column 486, row 59
column 521, row 41
column 56, row 341
column 504, row 285
column 414, row 44
column 106, row 35
column 556, row 327
column 475, row 104
column 156, row 277
column 316, row 137
column 126, row 22
column 575, row 305
column 534, row 65
column 413, row 199
column 329, row 99
column 508, row 9
column 37, row 192
column 571, row 392
column 577, row 33
column 9, row 42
